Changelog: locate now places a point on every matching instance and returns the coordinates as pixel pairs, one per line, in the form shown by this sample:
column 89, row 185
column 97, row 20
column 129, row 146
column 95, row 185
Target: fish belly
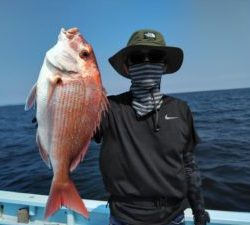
column 67, row 120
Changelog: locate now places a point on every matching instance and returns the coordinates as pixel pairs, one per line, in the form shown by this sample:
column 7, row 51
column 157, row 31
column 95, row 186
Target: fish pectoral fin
column 56, row 79
column 43, row 152
column 53, row 82
column 79, row 157
column 31, row 98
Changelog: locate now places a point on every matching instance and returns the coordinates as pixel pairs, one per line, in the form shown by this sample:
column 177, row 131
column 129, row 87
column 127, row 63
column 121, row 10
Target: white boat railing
column 12, row 202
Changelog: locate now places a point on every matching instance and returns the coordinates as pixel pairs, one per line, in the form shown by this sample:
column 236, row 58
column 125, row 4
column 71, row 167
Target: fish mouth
column 70, row 33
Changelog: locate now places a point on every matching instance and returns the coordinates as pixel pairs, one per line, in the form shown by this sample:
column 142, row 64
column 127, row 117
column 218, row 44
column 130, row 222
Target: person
column 148, row 139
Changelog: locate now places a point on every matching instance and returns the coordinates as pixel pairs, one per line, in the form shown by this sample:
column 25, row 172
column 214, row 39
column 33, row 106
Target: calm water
column 222, row 119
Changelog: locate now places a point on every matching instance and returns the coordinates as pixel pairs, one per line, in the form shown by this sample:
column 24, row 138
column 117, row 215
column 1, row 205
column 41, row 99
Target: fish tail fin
column 65, row 195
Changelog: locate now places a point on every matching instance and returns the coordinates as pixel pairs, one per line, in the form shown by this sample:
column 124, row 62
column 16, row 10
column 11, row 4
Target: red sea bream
column 70, row 100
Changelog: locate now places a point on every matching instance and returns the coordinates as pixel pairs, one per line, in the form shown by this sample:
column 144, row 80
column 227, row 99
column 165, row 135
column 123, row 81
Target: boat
column 24, row 208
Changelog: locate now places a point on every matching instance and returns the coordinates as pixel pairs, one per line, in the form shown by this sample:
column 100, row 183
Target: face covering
column 145, row 87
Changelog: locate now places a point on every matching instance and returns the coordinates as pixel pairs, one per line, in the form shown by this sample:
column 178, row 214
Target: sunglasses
column 140, row 57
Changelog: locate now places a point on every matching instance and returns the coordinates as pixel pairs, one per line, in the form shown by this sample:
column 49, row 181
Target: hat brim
column 173, row 57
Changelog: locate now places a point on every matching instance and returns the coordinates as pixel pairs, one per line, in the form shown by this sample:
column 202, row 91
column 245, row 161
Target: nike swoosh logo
column 170, row 117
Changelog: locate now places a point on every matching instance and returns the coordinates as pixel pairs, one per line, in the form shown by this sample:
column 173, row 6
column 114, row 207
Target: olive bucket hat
column 147, row 40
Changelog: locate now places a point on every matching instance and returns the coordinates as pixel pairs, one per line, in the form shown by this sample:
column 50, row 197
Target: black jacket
column 140, row 165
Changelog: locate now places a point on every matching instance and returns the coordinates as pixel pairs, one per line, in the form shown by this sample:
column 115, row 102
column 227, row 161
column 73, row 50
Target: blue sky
column 214, row 35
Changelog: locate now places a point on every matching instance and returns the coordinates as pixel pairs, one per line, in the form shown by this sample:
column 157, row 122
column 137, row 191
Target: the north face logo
column 149, row 35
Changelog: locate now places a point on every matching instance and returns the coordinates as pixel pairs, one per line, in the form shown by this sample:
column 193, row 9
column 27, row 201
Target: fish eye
column 84, row 54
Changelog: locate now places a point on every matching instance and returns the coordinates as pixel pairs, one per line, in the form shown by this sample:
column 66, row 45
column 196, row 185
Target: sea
column 222, row 120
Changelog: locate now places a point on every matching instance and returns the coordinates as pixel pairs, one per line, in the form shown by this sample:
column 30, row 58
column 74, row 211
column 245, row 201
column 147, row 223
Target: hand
column 201, row 218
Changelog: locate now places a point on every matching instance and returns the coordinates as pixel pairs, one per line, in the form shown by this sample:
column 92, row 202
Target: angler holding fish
column 148, row 139
column 70, row 101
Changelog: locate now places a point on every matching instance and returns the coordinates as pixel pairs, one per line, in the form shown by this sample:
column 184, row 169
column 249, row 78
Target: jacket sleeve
column 195, row 195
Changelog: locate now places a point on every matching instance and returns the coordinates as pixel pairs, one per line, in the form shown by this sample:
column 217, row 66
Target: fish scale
column 70, row 109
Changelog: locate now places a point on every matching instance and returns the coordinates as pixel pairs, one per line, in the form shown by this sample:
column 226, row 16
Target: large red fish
column 70, row 100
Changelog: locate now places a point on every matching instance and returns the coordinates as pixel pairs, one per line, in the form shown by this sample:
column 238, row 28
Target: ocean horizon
column 222, row 120
column 170, row 93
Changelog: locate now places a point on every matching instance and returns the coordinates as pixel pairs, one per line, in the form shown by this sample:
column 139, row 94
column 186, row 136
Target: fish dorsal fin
column 103, row 108
column 30, row 101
